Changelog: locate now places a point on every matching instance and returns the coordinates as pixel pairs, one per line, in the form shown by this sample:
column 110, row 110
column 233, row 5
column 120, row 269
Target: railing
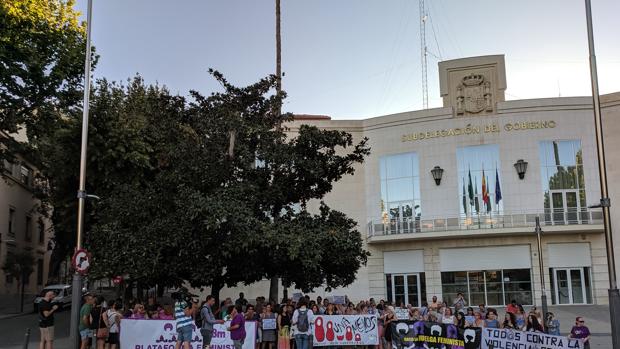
column 493, row 220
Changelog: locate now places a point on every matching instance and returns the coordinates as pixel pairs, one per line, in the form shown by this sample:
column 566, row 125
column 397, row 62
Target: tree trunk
column 273, row 289
column 21, row 300
column 216, row 287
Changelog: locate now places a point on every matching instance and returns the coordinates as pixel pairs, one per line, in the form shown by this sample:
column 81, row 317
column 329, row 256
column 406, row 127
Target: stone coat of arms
column 473, row 95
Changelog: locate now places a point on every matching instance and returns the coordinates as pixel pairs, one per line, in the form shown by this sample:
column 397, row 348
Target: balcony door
column 406, row 289
column 401, row 214
column 565, row 206
column 570, row 286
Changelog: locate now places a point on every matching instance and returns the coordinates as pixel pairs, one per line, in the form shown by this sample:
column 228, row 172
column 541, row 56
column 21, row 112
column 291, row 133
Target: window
column 28, row 232
column 41, row 228
column 25, row 175
column 491, row 287
column 563, row 181
column 39, row 272
column 11, row 221
column 400, row 191
column 406, row 289
column 479, row 180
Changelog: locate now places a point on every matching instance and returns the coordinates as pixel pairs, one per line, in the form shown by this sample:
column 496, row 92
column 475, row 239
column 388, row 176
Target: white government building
column 436, row 237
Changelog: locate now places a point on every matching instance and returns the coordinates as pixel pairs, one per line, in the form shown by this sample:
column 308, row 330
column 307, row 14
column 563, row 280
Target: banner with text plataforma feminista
column 421, row 335
column 493, row 338
column 162, row 334
column 336, row 330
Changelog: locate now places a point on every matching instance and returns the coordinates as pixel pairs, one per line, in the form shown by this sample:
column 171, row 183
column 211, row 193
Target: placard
column 422, row 334
column 498, row 338
column 401, row 313
column 269, row 324
column 297, row 297
column 345, row 330
column 339, row 299
column 144, row 334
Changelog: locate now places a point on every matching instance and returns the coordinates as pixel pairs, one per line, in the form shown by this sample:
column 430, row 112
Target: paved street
column 12, row 330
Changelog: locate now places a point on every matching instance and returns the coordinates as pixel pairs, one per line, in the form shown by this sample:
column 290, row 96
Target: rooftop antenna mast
column 423, row 54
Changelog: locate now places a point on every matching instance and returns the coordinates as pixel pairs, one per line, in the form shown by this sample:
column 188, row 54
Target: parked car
column 63, row 296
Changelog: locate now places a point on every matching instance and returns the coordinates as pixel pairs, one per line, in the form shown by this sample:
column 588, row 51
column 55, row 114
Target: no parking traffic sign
column 81, row 261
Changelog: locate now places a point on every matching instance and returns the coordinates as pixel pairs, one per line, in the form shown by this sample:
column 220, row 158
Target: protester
column 241, row 301
column 84, row 326
column 185, row 323
column 479, row 321
column 460, row 320
column 459, row 302
column 447, row 317
column 532, row 324
column 97, row 325
column 388, row 320
column 152, row 308
column 302, row 319
column 491, row 320
column 553, row 324
column 269, row 334
column 112, row 318
column 46, row 320
column 208, row 320
column 237, row 325
column 510, row 321
column 434, row 306
column 520, row 317
column 166, row 313
column 139, row 312
column 512, row 307
column 580, row 331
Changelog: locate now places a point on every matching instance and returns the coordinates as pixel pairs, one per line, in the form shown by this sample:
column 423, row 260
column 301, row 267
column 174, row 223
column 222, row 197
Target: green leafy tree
column 42, row 47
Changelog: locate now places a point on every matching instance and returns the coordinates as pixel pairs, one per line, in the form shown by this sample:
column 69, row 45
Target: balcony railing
column 501, row 220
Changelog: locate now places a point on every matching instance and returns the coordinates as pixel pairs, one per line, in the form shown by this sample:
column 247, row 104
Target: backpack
column 199, row 318
column 302, row 320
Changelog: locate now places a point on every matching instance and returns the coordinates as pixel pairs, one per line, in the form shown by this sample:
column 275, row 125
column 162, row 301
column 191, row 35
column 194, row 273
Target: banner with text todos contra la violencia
column 336, row 330
column 494, row 338
column 162, row 334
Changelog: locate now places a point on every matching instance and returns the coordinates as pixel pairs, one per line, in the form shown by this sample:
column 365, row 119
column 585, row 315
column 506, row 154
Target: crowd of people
column 286, row 325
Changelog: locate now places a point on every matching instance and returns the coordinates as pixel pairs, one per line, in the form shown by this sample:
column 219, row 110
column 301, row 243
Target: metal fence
column 493, row 220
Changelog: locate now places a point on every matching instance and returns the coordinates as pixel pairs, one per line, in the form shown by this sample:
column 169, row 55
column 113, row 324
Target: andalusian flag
column 464, row 198
column 498, row 189
column 470, row 190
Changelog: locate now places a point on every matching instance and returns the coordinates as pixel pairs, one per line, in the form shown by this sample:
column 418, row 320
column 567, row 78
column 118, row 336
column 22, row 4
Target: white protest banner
column 338, row 330
column 401, row 313
column 493, row 338
column 162, row 334
column 269, row 324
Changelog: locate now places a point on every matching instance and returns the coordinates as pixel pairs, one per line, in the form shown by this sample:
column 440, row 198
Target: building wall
column 610, row 105
column 16, row 195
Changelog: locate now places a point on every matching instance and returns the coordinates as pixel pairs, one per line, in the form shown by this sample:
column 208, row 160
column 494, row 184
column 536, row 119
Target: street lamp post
column 543, row 296
column 614, row 295
column 77, row 278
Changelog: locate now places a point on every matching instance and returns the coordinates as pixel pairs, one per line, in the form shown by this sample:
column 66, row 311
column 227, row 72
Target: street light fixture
column 614, row 294
column 437, row 173
column 521, row 167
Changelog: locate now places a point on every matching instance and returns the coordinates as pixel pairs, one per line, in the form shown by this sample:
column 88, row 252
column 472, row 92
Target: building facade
column 448, row 199
column 22, row 227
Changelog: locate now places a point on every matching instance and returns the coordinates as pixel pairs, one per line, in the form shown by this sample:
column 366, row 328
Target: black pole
column 543, row 295
column 21, row 296
column 614, row 295
column 26, row 339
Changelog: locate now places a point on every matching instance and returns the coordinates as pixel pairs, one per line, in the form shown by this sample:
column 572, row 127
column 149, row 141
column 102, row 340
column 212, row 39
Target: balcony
column 414, row 228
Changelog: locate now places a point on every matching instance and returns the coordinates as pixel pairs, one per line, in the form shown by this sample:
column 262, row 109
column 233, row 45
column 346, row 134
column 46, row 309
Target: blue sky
column 353, row 59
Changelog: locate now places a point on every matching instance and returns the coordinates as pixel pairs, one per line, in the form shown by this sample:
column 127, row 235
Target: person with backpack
column 302, row 319
column 205, row 321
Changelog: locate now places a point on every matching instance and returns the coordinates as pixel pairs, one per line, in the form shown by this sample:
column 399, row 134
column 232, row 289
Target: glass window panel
column 453, row 283
column 476, row 287
column 577, row 286
column 400, row 189
column 399, row 289
column 517, row 286
column 399, row 165
column 586, row 274
column 581, row 182
column 495, row 295
column 412, row 290
column 566, row 153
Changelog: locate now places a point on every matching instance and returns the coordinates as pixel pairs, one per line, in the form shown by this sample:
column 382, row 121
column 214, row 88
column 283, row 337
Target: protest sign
column 297, row 297
column 339, row 299
column 162, row 334
column 269, row 324
column 422, row 334
column 401, row 313
column 494, row 338
column 343, row 330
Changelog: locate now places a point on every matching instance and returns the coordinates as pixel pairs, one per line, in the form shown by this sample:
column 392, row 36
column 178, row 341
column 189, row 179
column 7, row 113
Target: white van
column 63, row 295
